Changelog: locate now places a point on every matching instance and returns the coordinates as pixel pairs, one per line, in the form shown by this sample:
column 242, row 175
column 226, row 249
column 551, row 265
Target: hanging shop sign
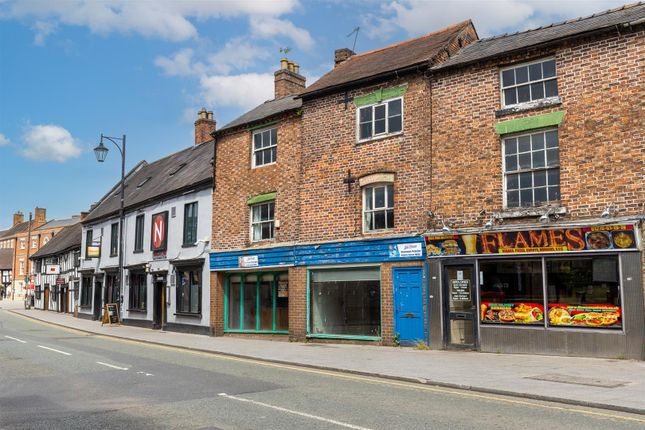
column 596, row 238
column 159, row 234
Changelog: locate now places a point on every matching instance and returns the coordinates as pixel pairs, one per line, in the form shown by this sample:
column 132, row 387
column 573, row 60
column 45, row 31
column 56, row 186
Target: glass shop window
column 511, row 292
column 346, row 302
column 584, row 292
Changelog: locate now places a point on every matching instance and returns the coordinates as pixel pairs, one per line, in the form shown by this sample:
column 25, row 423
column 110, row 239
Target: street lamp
column 101, row 152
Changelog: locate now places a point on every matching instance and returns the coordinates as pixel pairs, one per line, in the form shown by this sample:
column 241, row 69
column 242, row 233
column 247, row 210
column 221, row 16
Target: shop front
column 369, row 290
column 566, row 290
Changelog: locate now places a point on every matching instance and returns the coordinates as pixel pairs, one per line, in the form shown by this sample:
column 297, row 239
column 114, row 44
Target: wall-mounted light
column 608, row 210
column 546, row 216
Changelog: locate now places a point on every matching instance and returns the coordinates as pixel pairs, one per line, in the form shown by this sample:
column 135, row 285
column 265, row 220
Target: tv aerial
column 355, row 33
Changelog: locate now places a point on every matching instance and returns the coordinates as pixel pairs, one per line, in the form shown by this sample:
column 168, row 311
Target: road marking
column 111, row 365
column 145, row 373
column 15, row 338
column 340, row 375
column 55, row 350
column 289, row 411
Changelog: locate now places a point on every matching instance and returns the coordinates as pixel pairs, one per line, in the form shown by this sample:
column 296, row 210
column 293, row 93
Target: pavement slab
column 607, row 383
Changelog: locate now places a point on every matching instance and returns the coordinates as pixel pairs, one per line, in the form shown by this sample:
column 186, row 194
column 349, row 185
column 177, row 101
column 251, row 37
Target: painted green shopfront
column 571, row 289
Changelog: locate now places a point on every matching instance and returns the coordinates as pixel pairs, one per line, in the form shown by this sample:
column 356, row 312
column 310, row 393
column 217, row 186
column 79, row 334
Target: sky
column 73, row 69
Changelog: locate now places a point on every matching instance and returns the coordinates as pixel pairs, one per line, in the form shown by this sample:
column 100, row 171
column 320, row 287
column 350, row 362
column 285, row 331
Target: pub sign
column 159, row 235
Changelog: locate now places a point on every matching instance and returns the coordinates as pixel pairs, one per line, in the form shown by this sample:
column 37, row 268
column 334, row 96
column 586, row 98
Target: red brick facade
column 602, row 146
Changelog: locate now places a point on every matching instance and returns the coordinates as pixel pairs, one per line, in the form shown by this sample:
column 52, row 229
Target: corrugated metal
column 629, row 344
column 351, row 252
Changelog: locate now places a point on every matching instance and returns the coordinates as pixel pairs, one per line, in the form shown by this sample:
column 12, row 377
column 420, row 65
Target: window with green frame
column 257, row 303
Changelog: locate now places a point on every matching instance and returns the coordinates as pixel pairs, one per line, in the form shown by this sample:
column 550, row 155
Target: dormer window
column 174, row 172
column 142, row 183
column 529, row 82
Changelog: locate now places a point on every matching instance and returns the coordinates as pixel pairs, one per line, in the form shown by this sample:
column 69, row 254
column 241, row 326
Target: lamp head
column 101, row 151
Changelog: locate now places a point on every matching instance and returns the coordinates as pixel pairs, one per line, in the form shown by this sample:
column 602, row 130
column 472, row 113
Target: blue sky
column 72, row 69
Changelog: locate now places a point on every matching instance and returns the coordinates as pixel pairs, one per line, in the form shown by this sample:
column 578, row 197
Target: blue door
column 408, row 304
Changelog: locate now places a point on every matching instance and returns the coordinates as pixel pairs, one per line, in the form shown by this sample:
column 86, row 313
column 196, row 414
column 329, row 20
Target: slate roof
column 66, row 239
column 265, row 110
column 385, row 60
column 16, row 229
column 57, row 223
column 154, row 180
column 504, row 44
column 6, row 258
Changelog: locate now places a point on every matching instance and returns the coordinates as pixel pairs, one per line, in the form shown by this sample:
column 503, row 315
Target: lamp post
column 101, row 152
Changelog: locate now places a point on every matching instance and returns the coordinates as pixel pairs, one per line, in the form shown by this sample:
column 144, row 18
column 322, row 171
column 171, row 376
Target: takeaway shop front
column 563, row 290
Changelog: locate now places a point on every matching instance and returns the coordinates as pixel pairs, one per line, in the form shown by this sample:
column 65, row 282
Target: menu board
column 596, row 238
column 460, row 290
column 598, row 316
column 512, row 313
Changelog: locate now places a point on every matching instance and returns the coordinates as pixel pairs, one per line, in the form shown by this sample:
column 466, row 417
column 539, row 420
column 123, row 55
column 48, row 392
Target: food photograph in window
column 511, row 292
column 584, row 292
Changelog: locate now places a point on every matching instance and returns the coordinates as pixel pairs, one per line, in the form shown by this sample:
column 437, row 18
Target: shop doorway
column 159, row 308
column 460, row 306
column 97, row 300
column 64, row 292
column 46, row 298
column 408, row 304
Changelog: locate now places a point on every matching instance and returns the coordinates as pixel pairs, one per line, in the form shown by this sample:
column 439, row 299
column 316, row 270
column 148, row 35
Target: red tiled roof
column 388, row 59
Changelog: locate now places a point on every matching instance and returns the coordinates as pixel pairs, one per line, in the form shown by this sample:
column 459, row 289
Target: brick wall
column 297, row 303
column 217, row 303
column 236, row 181
column 602, row 145
column 330, row 148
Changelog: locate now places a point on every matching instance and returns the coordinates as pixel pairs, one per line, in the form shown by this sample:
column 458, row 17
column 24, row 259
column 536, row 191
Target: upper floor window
column 380, row 119
column 529, row 82
column 22, row 243
column 190, row 223
column 34, row 242
column 45, row 240
column 88, row 240
column 138, row 233
column 532, row 169
column 265, row 146
column 262, row 221
column 378, row 207
column 22, row 267
column 114, row 239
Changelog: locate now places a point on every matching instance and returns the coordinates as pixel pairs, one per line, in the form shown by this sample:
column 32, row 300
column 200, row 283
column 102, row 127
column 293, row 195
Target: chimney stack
column 288, row 80
column 204, row 126
column 41, row 217
column 18, row 217
column 340, row 55
column 84, row 215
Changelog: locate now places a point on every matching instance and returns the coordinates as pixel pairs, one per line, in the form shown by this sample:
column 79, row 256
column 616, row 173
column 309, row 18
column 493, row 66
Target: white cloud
column 242, row 91
column 490, row 17
column 268, row 27
column 3, row 140
column 165, row 19
column 49, row 142
column 43, row 29
column 180, row 64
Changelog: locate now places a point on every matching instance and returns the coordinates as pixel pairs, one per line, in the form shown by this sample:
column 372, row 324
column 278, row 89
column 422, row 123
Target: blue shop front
column 369, row 290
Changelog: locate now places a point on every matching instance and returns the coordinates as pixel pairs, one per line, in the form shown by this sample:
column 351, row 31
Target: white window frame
column 386, row 208
column 529, row 82
column 34, row 242
column 23, row 243
column 251, row 223
column 545, row 168
column 273, row 145
column 21, row 264
column 387, row 125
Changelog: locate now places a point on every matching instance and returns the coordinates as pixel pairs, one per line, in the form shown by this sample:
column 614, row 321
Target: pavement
column 600, row 383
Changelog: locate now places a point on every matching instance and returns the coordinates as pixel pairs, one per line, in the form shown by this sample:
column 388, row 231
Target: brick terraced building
column 382, row 202
column 538, row 170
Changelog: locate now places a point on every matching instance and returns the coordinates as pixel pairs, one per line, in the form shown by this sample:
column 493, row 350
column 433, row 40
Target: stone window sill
column 188, row 314
column 523, row 107
column 530, row 212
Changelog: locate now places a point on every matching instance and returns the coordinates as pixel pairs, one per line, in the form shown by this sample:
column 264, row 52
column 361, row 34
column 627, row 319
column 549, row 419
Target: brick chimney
column 18, row 217
column 288, row 80
column 341, row 55
column 204, row 126
column 83, row 215
column 41, row 217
